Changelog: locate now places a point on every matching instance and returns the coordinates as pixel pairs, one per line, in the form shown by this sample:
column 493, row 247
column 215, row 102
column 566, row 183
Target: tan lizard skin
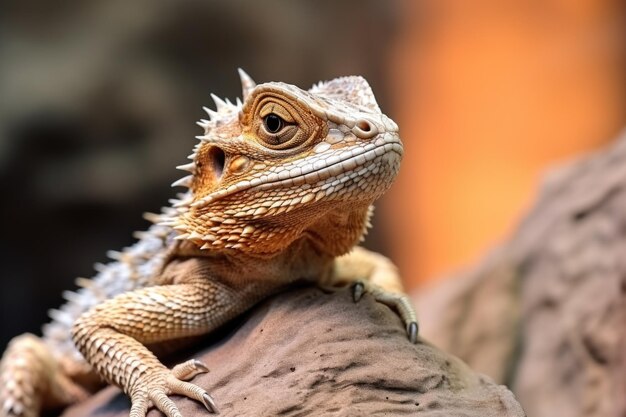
column 280, row 190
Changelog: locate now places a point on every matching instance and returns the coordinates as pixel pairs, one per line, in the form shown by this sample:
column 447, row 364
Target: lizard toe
column 398, row 302
column 140, row 406
column 189, row 369
column 193, row 391
column 164, row 403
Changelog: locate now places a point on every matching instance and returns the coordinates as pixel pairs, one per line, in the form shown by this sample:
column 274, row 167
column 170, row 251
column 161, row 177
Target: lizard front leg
column 371, row 272
column 112, row 335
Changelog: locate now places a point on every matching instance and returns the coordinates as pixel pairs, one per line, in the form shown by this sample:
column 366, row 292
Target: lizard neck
column 341, row 230
column 308, row 258
column 301, row 261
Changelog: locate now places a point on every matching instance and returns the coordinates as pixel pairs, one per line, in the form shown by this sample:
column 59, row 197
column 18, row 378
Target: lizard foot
column 156, row 390
column 396, row 301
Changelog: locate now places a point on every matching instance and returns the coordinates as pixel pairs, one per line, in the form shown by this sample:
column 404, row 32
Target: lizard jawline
column 312, row 176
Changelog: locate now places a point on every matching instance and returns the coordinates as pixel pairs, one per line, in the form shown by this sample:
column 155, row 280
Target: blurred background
column 99, row 99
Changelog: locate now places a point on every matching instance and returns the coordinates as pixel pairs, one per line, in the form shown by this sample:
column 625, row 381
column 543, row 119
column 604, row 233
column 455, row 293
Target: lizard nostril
column 364, row 129
column 217, row 158
column 364, row 125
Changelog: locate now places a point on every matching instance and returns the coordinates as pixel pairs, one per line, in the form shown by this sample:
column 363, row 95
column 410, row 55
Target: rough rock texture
column 546, row 312
column 311, row 353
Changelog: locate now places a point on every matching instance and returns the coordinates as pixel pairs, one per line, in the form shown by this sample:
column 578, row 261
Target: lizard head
column 285, row 164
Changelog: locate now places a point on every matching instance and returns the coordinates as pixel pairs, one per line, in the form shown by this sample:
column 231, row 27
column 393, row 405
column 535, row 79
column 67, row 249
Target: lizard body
column 280, row 187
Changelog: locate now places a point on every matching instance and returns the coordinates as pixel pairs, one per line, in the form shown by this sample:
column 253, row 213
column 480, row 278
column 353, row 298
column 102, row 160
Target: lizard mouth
column 322, row 169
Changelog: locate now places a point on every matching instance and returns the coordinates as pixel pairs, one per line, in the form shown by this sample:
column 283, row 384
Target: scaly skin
column 280, row 190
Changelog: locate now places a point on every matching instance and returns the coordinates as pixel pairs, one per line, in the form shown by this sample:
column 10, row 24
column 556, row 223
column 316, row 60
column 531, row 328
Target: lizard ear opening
column 210, row 163
column 217, row 159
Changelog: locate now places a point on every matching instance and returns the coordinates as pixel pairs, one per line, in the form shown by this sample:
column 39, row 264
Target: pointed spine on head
column 247, row 84
column 220, row 105
column 203, row 123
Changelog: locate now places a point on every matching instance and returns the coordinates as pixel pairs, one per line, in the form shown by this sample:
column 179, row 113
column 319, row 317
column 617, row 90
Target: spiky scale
column 152, row 217
column 220, row 104
column 203, row 123
column 213, row 115
column 247, row 83
column 183, row 182
column 191, row 167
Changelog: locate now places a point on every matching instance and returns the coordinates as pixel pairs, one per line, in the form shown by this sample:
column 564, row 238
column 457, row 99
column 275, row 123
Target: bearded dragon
column 280, row 190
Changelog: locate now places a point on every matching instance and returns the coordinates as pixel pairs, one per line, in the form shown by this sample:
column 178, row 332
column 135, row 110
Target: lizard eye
column 273, row 123
column 278, row 127
column 280, row 123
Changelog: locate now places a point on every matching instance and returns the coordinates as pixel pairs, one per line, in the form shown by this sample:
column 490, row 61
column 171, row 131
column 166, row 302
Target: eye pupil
column 273, row 123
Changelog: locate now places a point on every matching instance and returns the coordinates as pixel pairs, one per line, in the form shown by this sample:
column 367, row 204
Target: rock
column 307, row 352
column 546, row 312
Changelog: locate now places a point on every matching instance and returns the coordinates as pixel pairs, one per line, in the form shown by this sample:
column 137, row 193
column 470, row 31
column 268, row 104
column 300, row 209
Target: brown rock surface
column 311, row 353
column 546, row 312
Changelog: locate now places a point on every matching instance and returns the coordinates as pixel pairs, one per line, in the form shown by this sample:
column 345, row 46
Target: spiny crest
column 224, row 109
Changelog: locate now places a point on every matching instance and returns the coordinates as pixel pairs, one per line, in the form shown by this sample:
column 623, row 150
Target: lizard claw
column 396, row 301
column 209, row 403
column 189, row 369
column 358, row 289
column 412, row 330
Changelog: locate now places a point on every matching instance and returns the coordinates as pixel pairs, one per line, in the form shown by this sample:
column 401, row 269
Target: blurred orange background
column 488, row 94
